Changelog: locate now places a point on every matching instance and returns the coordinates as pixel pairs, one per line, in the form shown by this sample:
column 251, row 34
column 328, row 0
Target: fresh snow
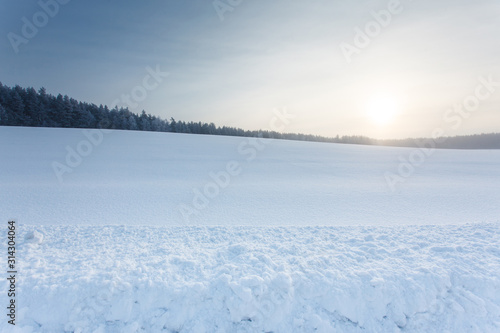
column 305, row 237
column 259, row 279
column 145, row 178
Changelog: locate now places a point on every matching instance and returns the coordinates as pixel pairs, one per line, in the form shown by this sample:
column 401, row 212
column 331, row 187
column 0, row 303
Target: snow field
column 163, row 179
column 258, row 279
column 302, row 237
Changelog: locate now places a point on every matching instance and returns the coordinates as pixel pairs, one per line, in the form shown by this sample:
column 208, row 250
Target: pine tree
column 16, row 106
column 132, row 123
column 3, row 116
column 173, row 125
column 32, row 107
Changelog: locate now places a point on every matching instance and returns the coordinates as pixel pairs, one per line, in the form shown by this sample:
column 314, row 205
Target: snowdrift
column 260, row 279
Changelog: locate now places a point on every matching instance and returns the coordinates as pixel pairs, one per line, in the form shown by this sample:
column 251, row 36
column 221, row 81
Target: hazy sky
column 330, row 63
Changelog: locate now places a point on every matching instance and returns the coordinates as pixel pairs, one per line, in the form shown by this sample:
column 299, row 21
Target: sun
column 382, row 109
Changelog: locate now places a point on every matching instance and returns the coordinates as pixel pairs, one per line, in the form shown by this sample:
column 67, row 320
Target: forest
column 28, row 107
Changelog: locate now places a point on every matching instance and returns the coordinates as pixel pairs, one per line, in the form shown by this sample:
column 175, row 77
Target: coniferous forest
column 27, row 107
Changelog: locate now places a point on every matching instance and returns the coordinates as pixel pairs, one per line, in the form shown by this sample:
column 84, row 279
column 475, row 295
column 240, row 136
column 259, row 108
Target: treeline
column 476, row 141
column 28, row 107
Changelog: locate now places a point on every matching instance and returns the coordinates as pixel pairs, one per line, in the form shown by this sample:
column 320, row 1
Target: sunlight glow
column 382, row 109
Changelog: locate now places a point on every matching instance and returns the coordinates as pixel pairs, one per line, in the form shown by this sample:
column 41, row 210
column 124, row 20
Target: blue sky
column 422, row 62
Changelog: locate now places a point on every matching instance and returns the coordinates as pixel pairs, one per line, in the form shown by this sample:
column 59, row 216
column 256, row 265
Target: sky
column 383, row 69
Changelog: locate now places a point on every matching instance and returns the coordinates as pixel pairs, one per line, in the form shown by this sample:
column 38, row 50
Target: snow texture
column 259, row 279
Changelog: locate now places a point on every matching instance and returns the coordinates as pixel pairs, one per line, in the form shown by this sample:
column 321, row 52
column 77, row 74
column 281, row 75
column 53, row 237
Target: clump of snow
column 259, row 279
column 34, row 237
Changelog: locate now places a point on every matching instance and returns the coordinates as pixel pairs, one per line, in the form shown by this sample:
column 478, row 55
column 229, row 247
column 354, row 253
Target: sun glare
column 382, row 109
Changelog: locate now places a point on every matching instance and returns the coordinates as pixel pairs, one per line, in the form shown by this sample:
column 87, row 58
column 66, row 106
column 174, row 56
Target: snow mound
column 259, row 279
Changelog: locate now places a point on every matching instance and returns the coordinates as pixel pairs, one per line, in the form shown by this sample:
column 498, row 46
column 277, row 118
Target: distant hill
column 28, row 107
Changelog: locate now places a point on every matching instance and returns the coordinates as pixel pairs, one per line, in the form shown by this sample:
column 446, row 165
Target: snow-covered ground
column 259, row 279
column 161, row 178
column 159, row 232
